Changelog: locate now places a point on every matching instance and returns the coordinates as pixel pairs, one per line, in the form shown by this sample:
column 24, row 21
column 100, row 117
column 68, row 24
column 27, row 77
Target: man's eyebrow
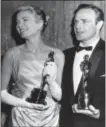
column 24, row 17
column 81, row 19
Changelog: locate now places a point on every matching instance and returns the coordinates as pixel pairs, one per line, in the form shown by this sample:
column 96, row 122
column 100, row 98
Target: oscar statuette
column 38, row 95
column 84, row 97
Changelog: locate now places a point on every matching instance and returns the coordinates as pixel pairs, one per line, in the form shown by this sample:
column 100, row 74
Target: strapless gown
column 27, row 73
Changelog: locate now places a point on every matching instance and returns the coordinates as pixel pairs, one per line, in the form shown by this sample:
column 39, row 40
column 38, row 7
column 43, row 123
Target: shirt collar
column 93, row 44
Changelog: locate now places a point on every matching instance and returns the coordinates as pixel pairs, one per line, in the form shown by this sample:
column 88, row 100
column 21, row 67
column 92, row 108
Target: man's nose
column 78, row 25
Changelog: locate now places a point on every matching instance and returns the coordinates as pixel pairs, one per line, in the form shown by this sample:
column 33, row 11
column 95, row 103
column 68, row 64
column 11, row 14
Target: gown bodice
column 27, row 74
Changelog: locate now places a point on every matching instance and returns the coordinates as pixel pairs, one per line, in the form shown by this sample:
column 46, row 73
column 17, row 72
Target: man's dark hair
column 99, row 13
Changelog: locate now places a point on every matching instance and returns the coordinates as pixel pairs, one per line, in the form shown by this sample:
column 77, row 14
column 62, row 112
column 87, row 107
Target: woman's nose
column 19, row 24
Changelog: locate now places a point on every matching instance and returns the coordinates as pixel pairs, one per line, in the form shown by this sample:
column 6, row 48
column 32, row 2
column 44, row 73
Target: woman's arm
column 6, row 69
column 55, row 78
column 7, row 65
column 6, row 97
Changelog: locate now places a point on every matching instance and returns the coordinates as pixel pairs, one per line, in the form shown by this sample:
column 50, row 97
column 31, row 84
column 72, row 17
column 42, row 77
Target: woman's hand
column 26, row 104
column 51, row 70
column 19, row 102
column 91, row 112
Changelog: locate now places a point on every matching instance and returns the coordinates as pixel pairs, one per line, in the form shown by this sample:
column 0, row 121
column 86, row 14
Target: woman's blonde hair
column 39, row 14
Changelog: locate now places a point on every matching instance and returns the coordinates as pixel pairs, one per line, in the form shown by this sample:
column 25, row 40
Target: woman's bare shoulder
column 12, row 51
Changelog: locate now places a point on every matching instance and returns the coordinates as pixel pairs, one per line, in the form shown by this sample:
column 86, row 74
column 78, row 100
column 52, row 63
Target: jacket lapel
column 72, row 55
column 95, row 59
column 72, row 98
column 69, row 61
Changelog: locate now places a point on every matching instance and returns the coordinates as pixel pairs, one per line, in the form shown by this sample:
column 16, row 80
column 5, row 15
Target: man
column 88, row 21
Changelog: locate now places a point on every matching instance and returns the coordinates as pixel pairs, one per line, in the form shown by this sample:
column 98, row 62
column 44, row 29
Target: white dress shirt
column 79, row 56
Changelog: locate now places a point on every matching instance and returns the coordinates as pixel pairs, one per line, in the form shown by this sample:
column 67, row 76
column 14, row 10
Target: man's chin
column 79, row 39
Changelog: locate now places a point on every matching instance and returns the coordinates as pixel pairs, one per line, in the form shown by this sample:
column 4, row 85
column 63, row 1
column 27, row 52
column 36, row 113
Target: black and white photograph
column 52, row 63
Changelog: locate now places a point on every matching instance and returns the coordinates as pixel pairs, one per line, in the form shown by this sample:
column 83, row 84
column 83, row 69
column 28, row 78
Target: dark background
column 58, row 30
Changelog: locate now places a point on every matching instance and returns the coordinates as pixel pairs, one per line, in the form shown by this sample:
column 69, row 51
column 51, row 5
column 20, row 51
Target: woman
column 26, row 65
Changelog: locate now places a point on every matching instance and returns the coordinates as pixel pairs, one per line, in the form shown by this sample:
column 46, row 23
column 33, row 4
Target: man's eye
column 25, row 19
column 17, row 22
column 85, row 21
column 75, row 21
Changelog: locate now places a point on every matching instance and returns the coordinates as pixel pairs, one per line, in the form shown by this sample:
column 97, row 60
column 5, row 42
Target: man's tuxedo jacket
column 96, row 85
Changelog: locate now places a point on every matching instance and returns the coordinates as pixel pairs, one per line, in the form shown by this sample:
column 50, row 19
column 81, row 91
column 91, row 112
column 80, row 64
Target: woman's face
column 27, row 26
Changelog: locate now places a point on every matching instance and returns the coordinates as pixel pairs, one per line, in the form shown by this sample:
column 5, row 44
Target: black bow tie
column 79, row 48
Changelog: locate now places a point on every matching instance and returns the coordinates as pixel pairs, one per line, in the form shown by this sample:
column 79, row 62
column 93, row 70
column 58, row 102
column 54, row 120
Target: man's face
column 85, row 25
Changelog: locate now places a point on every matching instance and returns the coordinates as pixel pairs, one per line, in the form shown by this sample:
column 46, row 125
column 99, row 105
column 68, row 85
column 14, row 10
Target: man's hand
column 91, row 112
